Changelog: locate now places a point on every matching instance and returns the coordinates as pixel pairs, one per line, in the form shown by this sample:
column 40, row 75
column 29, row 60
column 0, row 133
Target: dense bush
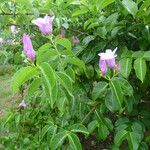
column 71, row 87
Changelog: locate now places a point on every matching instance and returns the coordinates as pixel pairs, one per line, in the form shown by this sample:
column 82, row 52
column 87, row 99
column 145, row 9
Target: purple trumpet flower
column 27, row 47
column 45, row 24
column 107, row 59
column 75, row 40
column 23, row 104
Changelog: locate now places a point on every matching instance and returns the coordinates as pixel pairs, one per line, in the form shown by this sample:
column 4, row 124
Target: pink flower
column 107, row 59
column 44, row 24
column 62, row 32
column 27, row 47
column 23, row 104
column 75, row 40
column 103, row 66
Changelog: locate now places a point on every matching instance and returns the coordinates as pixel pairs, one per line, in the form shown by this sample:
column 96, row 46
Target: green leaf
column 74, row 61
column 145, row 4
column 74, row 141
column 140, row 68
column 130, row 6
column 45, row 55
column 88, row 39
column 61, row 104
column 121, row 127
column 126, row 53
column 110, row 102
column 105, row 121
column 34, row 86
column 101, row 32
column 143, row 146
column 89, row 72
column 99, row 90
column 116, row 93
column 48, row 80
column 78, row 12
column 88, row 56
column 70, row 72
column 79, row 128
column 125, row 66
column 103, row 131
column 48, row 128
column 147, row 56
column 92, row 126
column 89, row 21
column 137, row 127
column 93, row 25
column 22, row 75
column 101, row 4
column 121, row 121
column 65, row 81
column 134, row 140
column 119, row 137
column 138, row 54
column 58, row 139
column 65, row 43
column 125, row 85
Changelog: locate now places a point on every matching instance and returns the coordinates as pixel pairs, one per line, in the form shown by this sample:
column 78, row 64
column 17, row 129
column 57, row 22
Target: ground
column 6, row 95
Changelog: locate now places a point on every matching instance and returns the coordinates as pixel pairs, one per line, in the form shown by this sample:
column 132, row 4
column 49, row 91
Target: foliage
column 66, row 94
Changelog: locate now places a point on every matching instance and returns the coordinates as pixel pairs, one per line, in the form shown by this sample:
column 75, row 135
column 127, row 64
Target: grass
column 5, row 89
column 5, row 92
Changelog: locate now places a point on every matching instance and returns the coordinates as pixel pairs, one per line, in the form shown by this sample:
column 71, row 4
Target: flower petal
column 28, row 48
column 102, row 66
column 44, row 24
column 111, row 63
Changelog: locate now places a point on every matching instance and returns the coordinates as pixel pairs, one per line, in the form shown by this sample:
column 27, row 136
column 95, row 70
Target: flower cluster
column 107, row 59
column 45, row 26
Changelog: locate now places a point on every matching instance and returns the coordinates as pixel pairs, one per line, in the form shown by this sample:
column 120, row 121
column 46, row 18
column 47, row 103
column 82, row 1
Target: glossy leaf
column 103, row 131
column 79, row 128
column 92, row 126
column 48, row 80
column 134, row 140
column 75, row 61
column 58, row 140
column 46, row 129
column 36, row 83
column 130, row 6
column 116, row 93
column 120, row 136
column 74, row 141
column 125, row 85
column 70, row 72
column 140, row 68
column 99, row 89
column 101, row 4
column 125, row 66
column 22, row 75
column 138, row 54
column 65, row 81
column 65, row 43
column 78, row 12
column 147, row 56
column 88, row 39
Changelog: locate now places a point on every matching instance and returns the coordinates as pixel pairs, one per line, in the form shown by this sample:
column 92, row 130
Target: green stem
column 90, row 112
column 59, row 55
